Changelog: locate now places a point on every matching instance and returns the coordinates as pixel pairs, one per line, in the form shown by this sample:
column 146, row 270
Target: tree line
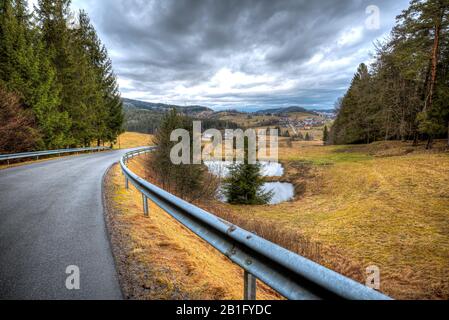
column 243, row 185
column 56, row 79
column 404, row 94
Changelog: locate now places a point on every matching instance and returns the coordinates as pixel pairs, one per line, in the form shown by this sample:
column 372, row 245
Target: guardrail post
column 250, row 287
column 145, row 205
column 126, row 183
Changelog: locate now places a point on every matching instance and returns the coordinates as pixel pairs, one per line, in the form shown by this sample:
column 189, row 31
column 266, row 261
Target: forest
column 404, row 94
column 57, row 85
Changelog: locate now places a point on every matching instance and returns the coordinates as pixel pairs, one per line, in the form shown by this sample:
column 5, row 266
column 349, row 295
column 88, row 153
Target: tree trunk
column 415, row 139
column 434, row 64
column 429, row 143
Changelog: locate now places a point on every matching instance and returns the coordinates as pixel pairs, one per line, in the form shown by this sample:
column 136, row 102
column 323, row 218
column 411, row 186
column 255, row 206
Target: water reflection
column 282, row 192
column 221, row 168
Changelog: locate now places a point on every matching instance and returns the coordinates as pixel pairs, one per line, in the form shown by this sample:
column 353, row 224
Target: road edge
column 107, row 217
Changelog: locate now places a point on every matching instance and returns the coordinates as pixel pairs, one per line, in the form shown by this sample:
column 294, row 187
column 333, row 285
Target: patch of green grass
column 323, row 155
column 334, row 158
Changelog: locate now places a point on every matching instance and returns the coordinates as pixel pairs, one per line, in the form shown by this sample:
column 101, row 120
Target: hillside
column 145, row 117
column 279, row 111
column 161, row 107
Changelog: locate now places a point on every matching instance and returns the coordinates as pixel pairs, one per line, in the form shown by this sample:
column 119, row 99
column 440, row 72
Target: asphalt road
column 51, row 217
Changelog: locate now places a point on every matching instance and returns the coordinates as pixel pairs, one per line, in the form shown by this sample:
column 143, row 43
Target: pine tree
column 113, row 102
column 404, row 95
column 325, row 135
column 188, row 181
column 245, row 183
column 307, row 137
column 26, row 71
column 59, row 70
column 107, row 108
column 72, row 67
column 422, row 27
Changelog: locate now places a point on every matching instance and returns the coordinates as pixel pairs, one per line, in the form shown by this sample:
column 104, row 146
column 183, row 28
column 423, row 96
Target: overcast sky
column 239, row 54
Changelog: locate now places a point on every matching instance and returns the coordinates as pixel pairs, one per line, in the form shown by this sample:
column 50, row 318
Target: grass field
column 129, row 140
column 385, row 204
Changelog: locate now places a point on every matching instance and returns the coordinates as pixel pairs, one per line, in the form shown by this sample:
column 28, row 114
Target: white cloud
column 219, row 53
column 351, row 37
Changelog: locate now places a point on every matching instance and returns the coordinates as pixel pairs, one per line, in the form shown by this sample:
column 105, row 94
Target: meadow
column 384, row 204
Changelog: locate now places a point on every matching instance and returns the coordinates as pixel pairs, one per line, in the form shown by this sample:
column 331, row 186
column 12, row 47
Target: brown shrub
column 17, row 125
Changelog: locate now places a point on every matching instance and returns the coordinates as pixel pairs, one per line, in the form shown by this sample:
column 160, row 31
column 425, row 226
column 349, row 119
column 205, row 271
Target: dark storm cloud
column 237, row 52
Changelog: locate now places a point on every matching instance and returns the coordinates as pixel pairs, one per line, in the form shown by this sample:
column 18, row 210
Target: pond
column 221, row 168
column 282, row 192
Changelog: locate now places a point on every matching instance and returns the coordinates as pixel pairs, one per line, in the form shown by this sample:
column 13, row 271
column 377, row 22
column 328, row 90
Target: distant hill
column 160, row 107
column 278, row 111
column 145, row 117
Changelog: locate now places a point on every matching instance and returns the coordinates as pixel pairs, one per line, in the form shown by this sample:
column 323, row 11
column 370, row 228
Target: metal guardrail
column 291, row 275
column 38, row 154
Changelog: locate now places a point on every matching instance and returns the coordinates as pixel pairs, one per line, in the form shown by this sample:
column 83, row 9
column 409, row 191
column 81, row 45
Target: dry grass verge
column 159, row 259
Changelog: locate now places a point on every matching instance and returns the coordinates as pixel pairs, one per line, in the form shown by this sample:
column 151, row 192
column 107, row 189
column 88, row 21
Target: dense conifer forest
column 57, row 85
column 404, row 94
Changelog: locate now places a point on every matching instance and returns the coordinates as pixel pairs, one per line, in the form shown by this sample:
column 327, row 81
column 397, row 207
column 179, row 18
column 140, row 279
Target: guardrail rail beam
column 38, row 154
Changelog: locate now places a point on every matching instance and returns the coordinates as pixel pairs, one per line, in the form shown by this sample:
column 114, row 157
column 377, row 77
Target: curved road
column 51, row 217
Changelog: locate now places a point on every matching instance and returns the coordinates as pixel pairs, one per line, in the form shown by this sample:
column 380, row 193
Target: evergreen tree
column 405, row 94
column 188, row 181
column 307, row 137
column 325, row 135
column 112, row 102
column 421, row 29
column 61, row 73
column 245, row 183
column 72, row 68
column 26, row 71
column 107, row 108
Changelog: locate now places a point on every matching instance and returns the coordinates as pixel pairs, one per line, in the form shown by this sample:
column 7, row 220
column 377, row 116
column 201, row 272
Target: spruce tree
column 26, row 71
column 112, row 101
column 307, row 137
column 404, row 96
column 72, row 70
column 107, row 108
column 244, row 184
column 60, row 71
column 188, row 181
column 325, row 135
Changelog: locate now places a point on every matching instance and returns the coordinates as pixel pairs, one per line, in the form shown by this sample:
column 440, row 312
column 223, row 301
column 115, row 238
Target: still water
column 221, row 168
column 282, row 192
